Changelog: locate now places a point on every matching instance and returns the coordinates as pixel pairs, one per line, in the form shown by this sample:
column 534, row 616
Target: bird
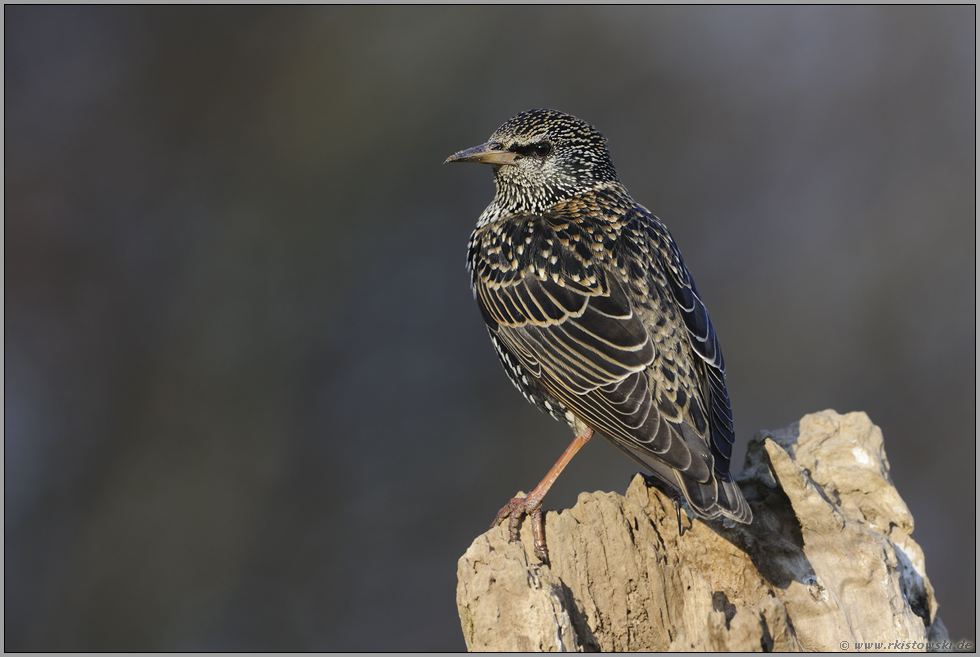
column 596, row 318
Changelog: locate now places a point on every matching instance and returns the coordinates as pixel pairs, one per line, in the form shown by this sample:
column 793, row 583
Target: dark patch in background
column 249, row 401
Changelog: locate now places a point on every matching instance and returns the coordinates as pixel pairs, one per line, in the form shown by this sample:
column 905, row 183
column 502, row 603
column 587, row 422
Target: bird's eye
column 541, row 149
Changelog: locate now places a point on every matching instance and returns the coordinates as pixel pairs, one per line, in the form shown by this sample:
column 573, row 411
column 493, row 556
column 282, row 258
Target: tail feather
column 718, row 496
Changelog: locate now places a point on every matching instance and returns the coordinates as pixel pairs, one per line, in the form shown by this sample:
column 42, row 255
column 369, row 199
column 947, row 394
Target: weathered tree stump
column 828, row 563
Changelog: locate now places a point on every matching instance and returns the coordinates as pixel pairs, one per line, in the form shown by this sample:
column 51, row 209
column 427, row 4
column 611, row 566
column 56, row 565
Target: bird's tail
column 716, row 497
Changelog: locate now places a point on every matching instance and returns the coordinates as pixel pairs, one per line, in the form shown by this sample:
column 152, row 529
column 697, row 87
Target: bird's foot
column 531, row 505
column 520, row 506
column 674, row 496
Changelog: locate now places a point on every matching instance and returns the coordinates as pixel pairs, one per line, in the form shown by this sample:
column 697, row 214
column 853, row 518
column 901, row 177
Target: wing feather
column 595, row 362
column 704, row 340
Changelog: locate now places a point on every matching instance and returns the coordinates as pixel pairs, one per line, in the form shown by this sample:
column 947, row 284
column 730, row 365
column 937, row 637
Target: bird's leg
column 676, row 499
column 674, row 496
column 531, row 505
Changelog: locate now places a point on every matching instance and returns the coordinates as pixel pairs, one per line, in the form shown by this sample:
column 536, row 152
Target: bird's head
column 542, row 157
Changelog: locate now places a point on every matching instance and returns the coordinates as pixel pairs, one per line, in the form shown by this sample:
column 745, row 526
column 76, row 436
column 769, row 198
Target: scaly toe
column 514, row 508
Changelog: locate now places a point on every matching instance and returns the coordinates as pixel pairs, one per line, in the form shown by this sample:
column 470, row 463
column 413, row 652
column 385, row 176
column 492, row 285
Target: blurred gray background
column 249, row 400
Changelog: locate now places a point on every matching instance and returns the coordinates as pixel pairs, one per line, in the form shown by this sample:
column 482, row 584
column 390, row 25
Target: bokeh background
column 249, row 400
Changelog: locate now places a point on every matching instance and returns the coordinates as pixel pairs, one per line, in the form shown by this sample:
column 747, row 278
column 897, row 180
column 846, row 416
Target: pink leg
column 531, row 505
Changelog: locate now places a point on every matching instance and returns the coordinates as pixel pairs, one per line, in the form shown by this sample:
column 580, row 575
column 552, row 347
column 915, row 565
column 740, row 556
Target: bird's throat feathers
column 553, row 198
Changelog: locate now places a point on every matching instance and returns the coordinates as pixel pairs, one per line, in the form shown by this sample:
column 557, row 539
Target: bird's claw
column 515, row 509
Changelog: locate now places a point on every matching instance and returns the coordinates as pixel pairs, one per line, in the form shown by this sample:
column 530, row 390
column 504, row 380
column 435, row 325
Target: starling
column 595, row 317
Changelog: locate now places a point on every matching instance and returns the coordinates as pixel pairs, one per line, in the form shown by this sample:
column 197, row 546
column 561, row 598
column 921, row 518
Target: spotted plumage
column 594, row 315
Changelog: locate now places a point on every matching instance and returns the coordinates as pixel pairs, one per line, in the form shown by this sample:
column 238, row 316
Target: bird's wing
column 590, row 348
column 705, row 343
